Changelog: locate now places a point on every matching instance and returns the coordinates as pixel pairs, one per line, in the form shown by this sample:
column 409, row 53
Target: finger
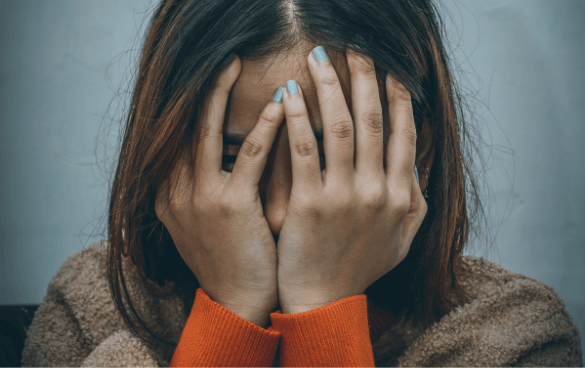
column 174, row 189
column 416, row 213
column 161, row 202
column 401, row 149
column 253, row 154
column 367, row 113
column 209, row 148
column 338, row 134
column 305, row 163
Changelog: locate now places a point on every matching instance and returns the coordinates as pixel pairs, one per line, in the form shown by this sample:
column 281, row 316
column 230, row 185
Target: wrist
column 300, row 308
column 306, row 302
column 295, row 309
column 251, row 307
column 293, row 301
column 259, row 318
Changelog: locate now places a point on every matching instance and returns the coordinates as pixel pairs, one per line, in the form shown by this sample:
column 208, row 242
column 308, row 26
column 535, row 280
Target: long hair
column 183, row 47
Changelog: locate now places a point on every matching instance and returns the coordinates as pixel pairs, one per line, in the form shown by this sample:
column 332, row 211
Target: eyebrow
column 237, row 139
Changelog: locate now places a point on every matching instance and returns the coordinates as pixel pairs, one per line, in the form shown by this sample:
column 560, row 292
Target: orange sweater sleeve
column 336, row 334
column 216, row 336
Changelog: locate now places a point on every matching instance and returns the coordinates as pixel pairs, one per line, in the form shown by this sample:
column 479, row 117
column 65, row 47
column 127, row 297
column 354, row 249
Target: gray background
column 62, row 63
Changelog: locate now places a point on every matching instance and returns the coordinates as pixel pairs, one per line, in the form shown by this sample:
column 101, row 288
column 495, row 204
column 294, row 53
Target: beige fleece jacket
column 513, row 320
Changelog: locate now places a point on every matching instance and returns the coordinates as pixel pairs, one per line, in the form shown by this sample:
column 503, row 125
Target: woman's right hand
column 216, row 220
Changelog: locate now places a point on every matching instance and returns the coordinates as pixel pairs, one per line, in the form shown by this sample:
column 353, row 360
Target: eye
column 227, row 163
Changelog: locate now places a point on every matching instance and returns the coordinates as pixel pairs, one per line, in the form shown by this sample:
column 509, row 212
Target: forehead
column 259, row 80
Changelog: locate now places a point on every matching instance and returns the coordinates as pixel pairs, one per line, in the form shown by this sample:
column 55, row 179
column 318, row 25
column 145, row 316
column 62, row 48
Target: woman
column 291, row 190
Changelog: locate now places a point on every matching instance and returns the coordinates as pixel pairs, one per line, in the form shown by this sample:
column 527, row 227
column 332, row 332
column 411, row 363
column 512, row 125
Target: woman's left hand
column 348, row 225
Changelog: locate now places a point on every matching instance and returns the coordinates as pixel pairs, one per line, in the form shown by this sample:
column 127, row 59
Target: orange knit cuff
column 216, row 336
column 336, row 334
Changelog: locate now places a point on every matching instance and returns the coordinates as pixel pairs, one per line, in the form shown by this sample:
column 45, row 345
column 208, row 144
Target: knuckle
column 342, row 129
column 403, row 254
column 374, row 196
column 201, row 204
column 251, row 146
column 227, row 204
column 410, row 136
column 329, row 78
column 362, row 64
column 311, row 206
column 205, row 130
column 160, row 209
column 269, row 116
column 338, row 206
column 373, row 122
column 423, row 209
column 205, row 202
column 305, row 146
column 401, row 99
column 340, row 198
column 175, row 198
column 176, row 205
column 403, row 92
column 308, row 204
column 401, row 203
column 366, row 67
column 295, row 114
column 161, row 200
column 400, row 94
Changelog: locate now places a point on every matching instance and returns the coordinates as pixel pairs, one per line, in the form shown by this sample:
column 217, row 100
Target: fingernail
column 320, row 54
column 416, row 173
column 278, row 95
column 291, row 87
column 227, row 60
column 360, row 40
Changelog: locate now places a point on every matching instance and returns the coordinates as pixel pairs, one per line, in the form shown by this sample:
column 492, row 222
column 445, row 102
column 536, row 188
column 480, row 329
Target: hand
column 216, row 218
column 347, row 226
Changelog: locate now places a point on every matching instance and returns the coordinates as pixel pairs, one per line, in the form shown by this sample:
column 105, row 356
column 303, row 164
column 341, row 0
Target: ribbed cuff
column 216, row 336
column 336, row 334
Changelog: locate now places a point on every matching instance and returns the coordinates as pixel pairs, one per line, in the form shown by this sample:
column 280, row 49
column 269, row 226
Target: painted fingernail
column 278, row 95
column 227, row 60
column 291, row 87
column 416, row 173
column 360, row 40
column 320, row 54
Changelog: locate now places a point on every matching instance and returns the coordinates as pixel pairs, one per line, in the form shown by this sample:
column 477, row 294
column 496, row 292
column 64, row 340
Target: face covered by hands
column 343, row 205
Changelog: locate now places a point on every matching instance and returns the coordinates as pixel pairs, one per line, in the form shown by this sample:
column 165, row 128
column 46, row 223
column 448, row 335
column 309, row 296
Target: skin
column 295, row 235
column 255, row 87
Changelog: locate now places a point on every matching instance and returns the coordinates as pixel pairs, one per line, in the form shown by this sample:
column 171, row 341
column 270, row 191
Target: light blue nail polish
column 360, row 40
column 291, row 87
column 416, row 173
column 278, row 95
column 320, row 54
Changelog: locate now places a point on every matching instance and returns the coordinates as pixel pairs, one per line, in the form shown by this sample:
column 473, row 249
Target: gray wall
column 62, row 62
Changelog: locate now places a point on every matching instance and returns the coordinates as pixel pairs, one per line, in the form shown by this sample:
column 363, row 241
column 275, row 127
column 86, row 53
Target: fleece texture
column 513, row 320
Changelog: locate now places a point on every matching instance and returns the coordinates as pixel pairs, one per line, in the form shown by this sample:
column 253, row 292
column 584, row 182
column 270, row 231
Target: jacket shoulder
column 513, row 320
column 83, row 285
column 76, row 313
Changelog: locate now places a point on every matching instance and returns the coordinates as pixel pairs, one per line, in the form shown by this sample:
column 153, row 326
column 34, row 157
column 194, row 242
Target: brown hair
column 183, row 47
